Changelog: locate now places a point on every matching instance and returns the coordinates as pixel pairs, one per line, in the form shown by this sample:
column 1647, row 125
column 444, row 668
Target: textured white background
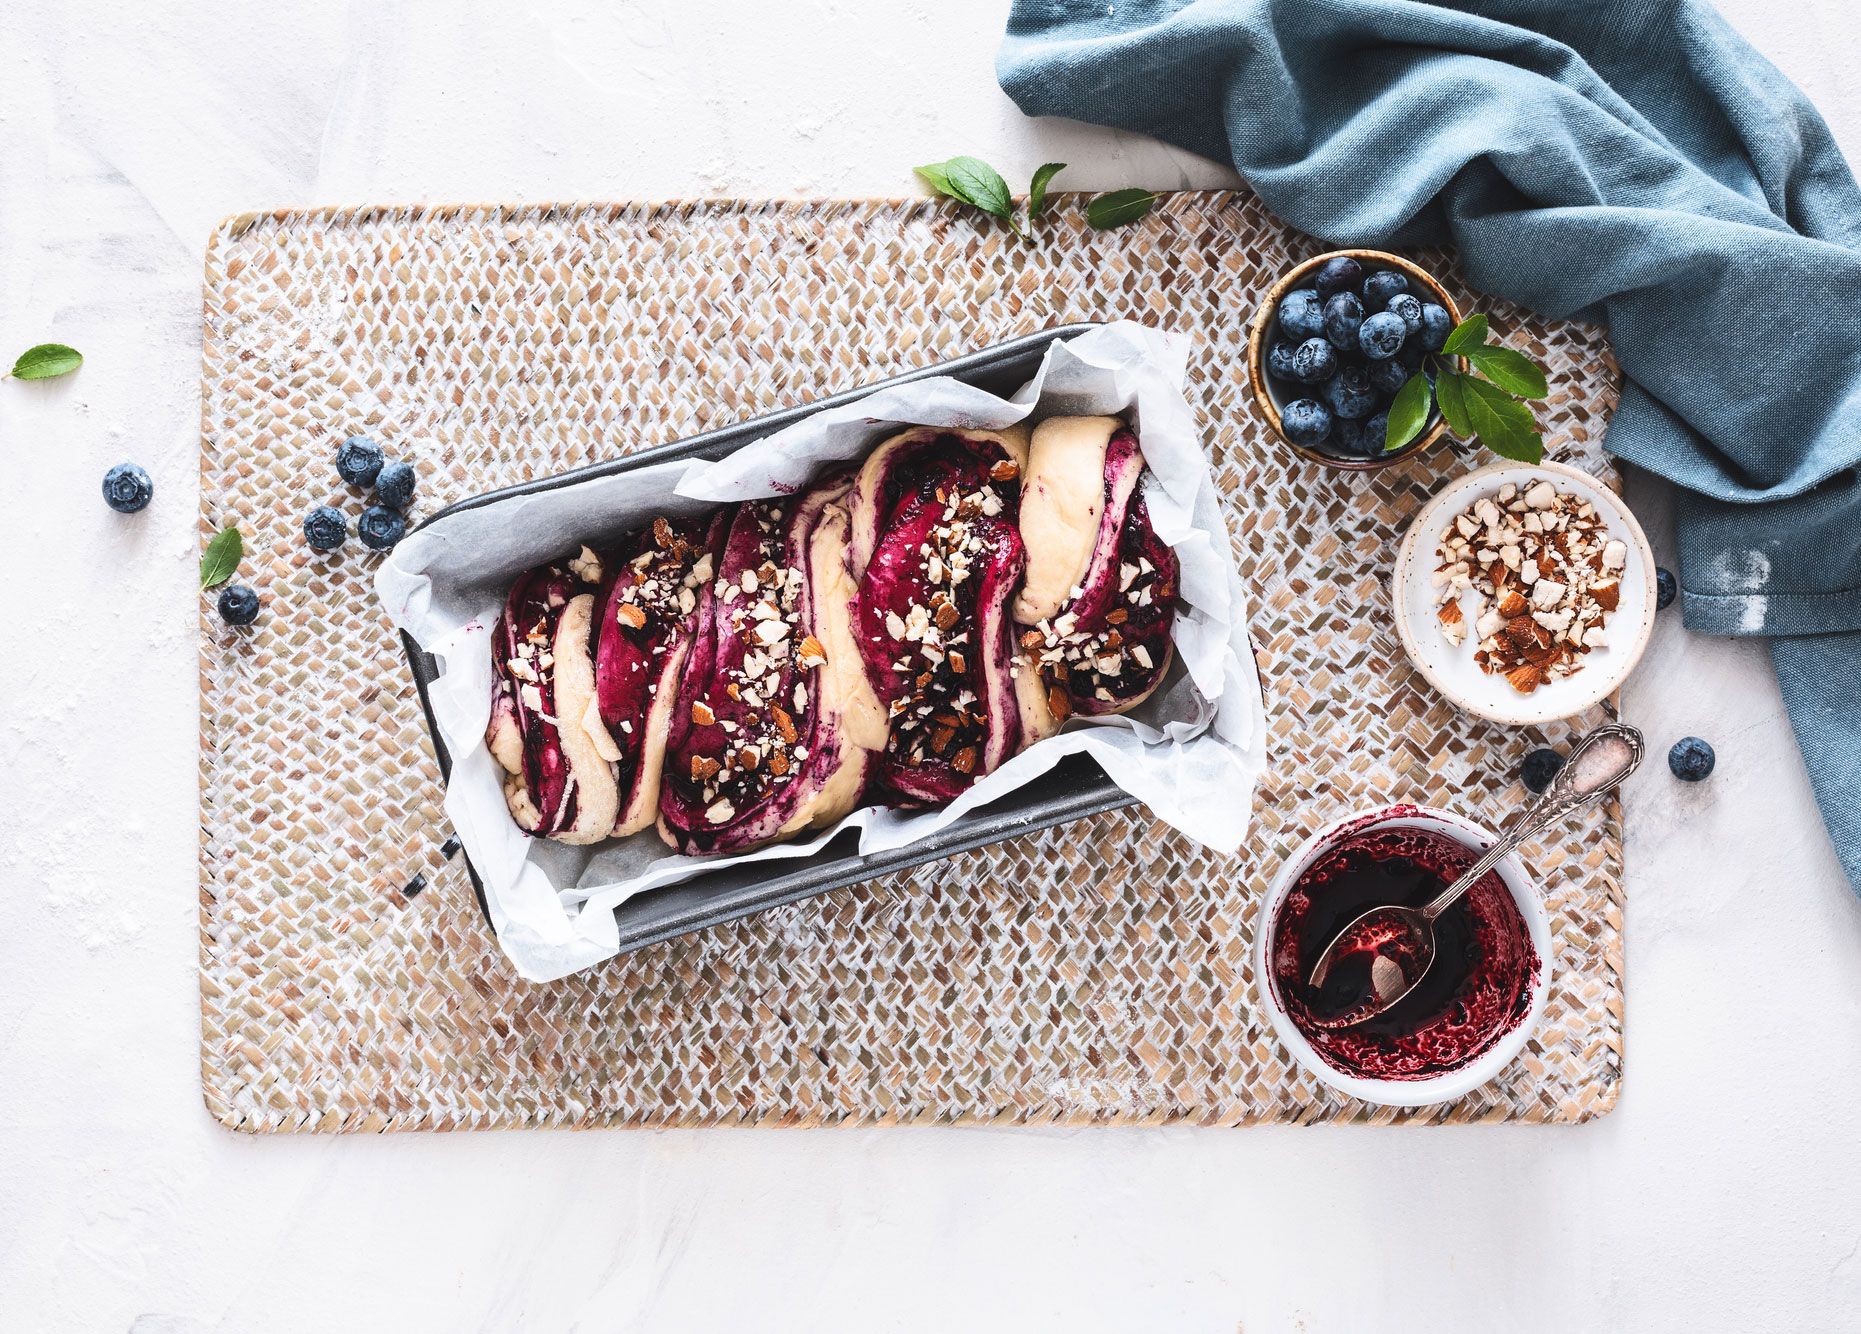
column 1720, row 1195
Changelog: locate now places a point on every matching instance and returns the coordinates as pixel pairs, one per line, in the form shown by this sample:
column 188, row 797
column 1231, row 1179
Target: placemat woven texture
column 1095, row 973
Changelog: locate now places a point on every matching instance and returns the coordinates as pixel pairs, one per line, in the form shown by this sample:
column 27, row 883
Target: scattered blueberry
column 1381, row 335
column 1305, row 422
column 1691, row 759
column 1666, row 588
column 1539, row 769
column 325, row 529
column 1350, row 393
column 395, row 485
column 380, row 527
column 1313, row 361
column 1346, row 438
column 1375, row 435
column 1437, row 324
column 1301, row 315
column 1380, row 286
column 127, row 488
column 1337, row 274
column 1409, row 308
column 238, row 605
column 359, row 460
column 1389, row 376
column 1279, row 361
column 1343, row 317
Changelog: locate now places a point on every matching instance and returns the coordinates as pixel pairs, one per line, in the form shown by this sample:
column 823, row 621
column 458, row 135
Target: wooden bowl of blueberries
column 1334, row 342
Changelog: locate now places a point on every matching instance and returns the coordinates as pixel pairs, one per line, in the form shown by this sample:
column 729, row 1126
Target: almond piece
column 630, row 616
column 1608, row 593
column 778, row 764
column 701, row 713
column 1512, row 604
column 1005, row 471
column 1449, row 613
column 1525, row 678
column 947, row 615
column 784, row 725
column 812, row 653
column 1059, row 704
column 965, row 761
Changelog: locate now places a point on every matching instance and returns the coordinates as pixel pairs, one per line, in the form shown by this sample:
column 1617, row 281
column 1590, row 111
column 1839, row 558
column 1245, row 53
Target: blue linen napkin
column 1633, row 161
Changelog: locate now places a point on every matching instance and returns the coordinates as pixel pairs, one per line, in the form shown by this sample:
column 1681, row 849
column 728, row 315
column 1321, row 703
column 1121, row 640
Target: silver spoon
column 1401, row 939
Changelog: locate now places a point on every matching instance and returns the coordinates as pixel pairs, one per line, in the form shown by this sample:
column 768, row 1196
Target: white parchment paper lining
column 1192, row 753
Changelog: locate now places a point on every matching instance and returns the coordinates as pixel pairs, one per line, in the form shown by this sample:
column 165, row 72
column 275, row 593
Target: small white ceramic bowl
column 1405, row 1092
column 1451, row 669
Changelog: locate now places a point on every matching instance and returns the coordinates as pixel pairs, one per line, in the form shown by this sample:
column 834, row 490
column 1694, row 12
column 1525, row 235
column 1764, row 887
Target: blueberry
column 1279, row 361
column 1412, row 356
column 1375, row 433
column 1388, row 376
column 325, row 528
column 1409, row 308
column 1346, row 438
column 1337, row 274
column 238, row 605
column 359, row 460
column 1343, row 315
column 1301, row 315
column 1382, row 285
column 395, row 485
column 1539, row 769
column 1437, row 324
column 1381, row 335
column 1666, row 588
column 1314, row 362
column 127, row 488
column 1305, row 422
column 1691, row 759
column 380, row 527
column 1350, row 393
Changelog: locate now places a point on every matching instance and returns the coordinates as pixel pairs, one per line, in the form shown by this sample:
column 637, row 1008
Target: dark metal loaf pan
column 1073, row 789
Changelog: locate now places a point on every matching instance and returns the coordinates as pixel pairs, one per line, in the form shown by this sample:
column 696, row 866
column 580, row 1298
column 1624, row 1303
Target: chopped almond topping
column 1117, row 616
column 734, row 690
column 778, row 764
column 630, row 616
column 1059, row 703
column 1005, row 471
column 703, row 768
column 1608, row 594
column 1525, row 678
column 701, row 713
column 747, row 758
column 784, row 725
column 1512, row 604
column 662, row 532
column 965, row 760
column 1031, row 639
column 812, row 653
column 947, row 616
column 941, row 739
column 1449, row 613
column 957, row 663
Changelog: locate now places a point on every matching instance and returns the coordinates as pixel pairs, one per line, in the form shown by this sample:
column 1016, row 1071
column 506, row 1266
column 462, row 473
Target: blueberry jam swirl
column 1478, row 990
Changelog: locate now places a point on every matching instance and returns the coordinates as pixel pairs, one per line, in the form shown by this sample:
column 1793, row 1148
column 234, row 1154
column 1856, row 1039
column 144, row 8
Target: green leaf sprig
column 976, row 183
column 1488, row 410
column 47, row 361
column 222, row 557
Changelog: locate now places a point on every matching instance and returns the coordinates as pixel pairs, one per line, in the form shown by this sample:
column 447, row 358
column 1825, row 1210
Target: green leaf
column 1512, row 371
column 1503, row 424
column 1470, row 332
column 1451, row 395
column 1119, row 208
column 47, row 361
column 974, row 181
column 1037, row 188
column 937, row 178
column 221, row 557
column 1407, row 414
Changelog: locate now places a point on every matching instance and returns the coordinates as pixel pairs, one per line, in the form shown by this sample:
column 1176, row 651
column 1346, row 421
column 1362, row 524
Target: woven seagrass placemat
column 1098, row 972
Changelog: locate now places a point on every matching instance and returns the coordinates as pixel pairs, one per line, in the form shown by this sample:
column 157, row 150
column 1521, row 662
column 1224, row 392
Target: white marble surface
column 1720, row 1195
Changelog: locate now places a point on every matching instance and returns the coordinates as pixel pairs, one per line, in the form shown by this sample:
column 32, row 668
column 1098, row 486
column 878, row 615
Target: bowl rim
column 1452, row 1084
column 1408, row 566
column 1257, row 341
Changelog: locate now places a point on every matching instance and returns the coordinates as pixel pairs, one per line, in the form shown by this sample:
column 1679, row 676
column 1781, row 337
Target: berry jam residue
column 1478, row 990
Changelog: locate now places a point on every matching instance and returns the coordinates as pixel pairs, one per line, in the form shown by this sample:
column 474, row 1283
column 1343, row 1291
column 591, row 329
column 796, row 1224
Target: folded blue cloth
column 1633, row 161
